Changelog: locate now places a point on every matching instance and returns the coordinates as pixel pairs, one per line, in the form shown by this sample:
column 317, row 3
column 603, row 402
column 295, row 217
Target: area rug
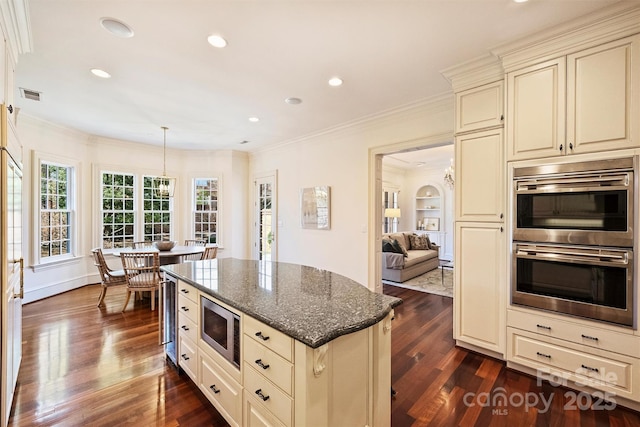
column 430, row 282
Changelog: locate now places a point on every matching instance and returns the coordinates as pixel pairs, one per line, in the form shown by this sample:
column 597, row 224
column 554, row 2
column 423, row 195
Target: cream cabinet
column 575, row 350
column 480, row 286
column 586, row 101
column 480, row 193
column 480, row 107
column 188, row 329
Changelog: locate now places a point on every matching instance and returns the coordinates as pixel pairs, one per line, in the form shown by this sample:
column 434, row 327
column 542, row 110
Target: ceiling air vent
column 33, row 95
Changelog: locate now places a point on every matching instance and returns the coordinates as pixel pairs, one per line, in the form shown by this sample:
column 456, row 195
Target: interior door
column 12, row 271
column 265, row 214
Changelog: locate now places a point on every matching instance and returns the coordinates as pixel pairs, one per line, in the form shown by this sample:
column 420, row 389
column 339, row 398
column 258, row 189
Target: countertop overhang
column 311, row 305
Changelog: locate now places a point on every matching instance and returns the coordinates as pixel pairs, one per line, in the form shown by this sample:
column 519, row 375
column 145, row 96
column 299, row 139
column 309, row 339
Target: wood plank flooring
column 89, row 366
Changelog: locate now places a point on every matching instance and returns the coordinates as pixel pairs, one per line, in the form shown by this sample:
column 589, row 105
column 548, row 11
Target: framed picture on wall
column 432, row 224
column 315, row 208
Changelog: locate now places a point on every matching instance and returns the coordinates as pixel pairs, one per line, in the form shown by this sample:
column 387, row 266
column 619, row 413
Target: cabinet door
column 480, row 176
column 536, row 110
column 480, row 285
column 480, row 107
column 602, row 107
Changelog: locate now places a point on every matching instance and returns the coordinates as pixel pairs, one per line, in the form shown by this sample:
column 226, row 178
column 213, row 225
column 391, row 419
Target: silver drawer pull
column 262, row 396
column 185, row 327
column 548, row 328
column 214, row 389
column 587, row 337
column 548, row 356
column 262, row 337
column 185, row 357
column 261, row 364
column 589, row 368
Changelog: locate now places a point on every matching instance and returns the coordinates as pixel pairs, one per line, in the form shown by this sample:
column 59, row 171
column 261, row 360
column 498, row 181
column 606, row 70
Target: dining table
column 173, row 256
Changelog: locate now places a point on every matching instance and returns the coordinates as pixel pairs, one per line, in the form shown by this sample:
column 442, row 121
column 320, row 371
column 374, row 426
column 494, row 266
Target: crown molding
column 617, row 21
column 14, row 18
column 475, row 72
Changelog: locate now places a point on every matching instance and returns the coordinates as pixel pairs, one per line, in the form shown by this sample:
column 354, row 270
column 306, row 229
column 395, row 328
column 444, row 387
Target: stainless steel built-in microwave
column 220, row 328
column 586, row 203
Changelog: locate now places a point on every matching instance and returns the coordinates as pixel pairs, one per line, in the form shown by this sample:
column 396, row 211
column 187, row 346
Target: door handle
column 21, row 262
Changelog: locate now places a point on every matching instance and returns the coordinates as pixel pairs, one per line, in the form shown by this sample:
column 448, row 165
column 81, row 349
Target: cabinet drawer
column 614, row 373
column 188, row 307
column 269, row 337
column 269, row 364
column 221, row 389
column 188, row 357
column 187, row 328
column 272, row 398
column 575, row 332
column 187, row 291
column 256, row 415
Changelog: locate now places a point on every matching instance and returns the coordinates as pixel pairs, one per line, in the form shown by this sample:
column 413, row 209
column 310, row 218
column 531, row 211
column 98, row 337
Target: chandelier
column 164, row 186
column 449, row 175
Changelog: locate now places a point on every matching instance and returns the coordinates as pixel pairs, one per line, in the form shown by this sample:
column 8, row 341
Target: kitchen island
column 314, row 346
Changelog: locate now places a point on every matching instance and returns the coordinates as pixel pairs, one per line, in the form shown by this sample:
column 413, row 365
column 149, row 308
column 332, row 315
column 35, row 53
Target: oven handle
column 559, row 254
column 589, row 181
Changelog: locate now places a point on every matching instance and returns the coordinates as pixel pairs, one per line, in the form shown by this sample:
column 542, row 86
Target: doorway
column 265, row 214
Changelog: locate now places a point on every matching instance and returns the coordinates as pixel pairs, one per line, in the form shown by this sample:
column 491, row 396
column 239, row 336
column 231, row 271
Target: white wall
column 93, row 154
column 340, row 159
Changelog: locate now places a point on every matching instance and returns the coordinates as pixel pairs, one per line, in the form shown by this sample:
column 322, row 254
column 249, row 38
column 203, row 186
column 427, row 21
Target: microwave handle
column 588, row 181
column 602, row 257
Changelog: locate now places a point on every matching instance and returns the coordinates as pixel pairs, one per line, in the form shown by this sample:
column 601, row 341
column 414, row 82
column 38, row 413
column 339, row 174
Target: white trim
column 272, row 174
column 37, row 157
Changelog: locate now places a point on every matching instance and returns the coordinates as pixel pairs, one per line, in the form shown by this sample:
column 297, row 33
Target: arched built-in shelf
column 429, row 213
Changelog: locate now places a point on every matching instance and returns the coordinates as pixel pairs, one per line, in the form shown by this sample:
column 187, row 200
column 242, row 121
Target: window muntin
column 118, row 210
column 55, row 210
column 205, row 214
column 157, row 213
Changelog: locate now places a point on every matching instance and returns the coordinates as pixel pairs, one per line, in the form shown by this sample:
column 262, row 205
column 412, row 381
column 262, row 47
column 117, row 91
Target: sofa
column 407, row 261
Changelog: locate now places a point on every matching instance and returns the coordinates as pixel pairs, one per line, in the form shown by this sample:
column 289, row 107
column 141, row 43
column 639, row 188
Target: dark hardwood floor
column 89, row 366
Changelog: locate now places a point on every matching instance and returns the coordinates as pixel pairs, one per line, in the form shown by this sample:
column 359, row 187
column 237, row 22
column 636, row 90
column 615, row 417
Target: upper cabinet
column 582, row 102
column 480, row 107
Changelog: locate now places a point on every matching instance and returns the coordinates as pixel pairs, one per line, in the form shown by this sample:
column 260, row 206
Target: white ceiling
column 433, row 157
column 389, row 53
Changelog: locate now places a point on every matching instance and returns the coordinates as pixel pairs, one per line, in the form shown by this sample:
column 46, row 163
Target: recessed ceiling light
column 216, row 41
column 335, row 81
column 293, row 101
column 100, row 73
column 117, row 28
column 254, row 119
column 520, row 1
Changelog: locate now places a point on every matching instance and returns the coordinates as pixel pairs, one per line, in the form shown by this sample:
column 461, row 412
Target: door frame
column 255, row 250
column 375, row 197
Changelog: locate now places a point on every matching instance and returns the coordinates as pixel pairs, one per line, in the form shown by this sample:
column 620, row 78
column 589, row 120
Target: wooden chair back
column 194, row 242
column 210, row 252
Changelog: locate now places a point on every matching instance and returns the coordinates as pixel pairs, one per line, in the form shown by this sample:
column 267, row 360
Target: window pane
column 205, row 209
column 117, row 209
column 157, row 213
column 55, row 209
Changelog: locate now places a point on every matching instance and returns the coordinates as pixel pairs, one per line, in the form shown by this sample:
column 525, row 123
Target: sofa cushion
column 389, row 245
column 402, row 239
column 419, row 241
column 418, row 255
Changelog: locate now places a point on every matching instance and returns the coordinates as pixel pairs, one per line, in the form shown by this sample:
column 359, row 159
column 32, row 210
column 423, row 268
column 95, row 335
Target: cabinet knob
column 570, row 146
column 561, row 147
column 501, row 117
column 10, row 108
column 185, row 327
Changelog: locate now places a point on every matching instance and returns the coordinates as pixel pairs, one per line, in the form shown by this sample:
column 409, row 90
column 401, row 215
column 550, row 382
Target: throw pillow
column 420, row 242
column 400, row 247
column 392, row 246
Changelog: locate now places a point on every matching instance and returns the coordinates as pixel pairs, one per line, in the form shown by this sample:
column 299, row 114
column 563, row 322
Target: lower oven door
column 591, row 282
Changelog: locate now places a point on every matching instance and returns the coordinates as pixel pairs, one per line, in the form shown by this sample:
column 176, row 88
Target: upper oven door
column 578, row 207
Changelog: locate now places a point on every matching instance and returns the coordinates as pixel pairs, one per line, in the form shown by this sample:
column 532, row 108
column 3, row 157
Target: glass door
column 265, row 218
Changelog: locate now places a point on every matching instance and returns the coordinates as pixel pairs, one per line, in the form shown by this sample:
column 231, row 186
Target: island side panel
column 346, row 382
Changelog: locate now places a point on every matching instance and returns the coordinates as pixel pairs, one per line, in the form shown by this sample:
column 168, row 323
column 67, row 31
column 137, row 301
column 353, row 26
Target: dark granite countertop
column 310, row 305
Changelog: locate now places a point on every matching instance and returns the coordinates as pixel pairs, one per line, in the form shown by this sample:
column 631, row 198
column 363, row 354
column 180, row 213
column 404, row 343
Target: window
column 205, row 215
column 118, row 213
column 157, row 213
column 56, row 210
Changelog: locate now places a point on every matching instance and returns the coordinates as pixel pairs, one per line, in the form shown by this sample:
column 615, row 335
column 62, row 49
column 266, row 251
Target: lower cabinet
column 223, row 391
column 575, row 354
column 480, row 287
column 256, row 415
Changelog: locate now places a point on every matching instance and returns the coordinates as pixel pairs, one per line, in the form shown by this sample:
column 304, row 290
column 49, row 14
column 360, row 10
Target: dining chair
column 140, row 245
column 193, row 257
column 194, row 242
column 210, row 252
column 142, row 271
column 108, row 276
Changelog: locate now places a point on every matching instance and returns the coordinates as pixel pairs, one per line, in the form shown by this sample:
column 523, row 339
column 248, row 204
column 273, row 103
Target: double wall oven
column 573, row 238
